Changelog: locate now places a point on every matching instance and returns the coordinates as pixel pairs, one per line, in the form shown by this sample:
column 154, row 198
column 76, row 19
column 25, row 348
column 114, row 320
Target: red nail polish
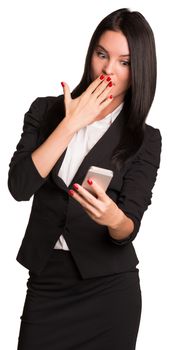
column 102, row 77
column 110, row 84
column 71, row 192
column 108, row 79
column 90, row 182
column 62, row 84
column 75, row 186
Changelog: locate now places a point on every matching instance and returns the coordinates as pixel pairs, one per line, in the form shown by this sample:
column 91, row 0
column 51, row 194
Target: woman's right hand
column 84, row 109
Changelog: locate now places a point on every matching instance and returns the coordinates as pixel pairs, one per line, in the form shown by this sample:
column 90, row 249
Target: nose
column 109, row 69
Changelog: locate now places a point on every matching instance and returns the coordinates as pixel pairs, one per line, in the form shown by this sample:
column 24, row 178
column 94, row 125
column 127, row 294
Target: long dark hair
column 140, row 95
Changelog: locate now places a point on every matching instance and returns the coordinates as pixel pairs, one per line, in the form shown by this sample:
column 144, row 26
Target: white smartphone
column 100, row 175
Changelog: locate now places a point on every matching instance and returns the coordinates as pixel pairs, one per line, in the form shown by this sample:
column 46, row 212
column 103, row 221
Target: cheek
column 92, row 68
column 124, row 78
column 95, row 65
column 122, row 82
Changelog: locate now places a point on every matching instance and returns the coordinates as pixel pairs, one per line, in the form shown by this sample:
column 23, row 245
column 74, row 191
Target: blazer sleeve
column 139, row 180
column 23, row 177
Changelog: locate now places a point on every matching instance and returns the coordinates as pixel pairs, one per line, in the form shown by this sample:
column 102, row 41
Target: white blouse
column 78, row 147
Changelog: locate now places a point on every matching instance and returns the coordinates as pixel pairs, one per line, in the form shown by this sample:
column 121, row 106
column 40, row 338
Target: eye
column 125, row 63
column 100, row 54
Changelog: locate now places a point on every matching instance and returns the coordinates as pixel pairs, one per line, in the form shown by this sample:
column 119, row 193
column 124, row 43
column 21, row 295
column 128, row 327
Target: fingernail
column 108, row 79
column 71, row 192
column 90, row 182
column 102, row 77
column 75, row 186
column 111, row 96
column 62, row 84
column 110, row 84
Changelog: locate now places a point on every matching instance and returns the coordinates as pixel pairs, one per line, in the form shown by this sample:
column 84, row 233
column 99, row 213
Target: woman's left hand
column 100, row 207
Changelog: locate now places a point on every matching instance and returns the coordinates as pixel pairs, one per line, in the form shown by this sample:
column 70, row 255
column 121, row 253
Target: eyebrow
column 101, row 47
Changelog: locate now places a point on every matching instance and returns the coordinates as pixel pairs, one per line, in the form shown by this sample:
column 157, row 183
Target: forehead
column 114, row 42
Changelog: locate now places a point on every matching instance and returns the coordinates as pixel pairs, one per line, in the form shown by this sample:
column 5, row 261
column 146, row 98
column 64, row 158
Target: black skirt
column 62, row 311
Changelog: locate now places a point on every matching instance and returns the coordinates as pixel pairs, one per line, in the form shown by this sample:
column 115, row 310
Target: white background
column 42, row 44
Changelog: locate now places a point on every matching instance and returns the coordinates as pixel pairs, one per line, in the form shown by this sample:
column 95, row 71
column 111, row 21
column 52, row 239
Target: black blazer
column 54, row 212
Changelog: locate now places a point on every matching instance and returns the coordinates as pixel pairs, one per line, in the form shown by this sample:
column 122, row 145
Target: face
column 111, row 57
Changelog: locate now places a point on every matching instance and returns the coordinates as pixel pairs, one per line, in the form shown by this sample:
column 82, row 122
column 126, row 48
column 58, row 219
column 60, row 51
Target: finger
column 93, row 213
column 99, row 194
column 66, row 90
column 104, row 87
column 106, row 94
column 92, row 87
column 106, row 102
column 87, row 205
column 85, row 194
column 98, row 190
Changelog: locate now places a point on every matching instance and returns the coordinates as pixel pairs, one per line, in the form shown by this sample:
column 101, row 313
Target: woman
column 83, row 287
